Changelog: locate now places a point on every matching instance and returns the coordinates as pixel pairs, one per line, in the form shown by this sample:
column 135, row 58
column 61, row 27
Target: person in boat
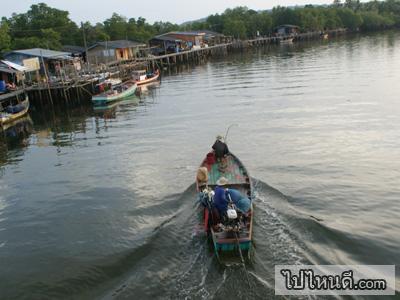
column 220, row 148
column 202, row 175
column 220, row 200
column 221, row 151
column 242, row 203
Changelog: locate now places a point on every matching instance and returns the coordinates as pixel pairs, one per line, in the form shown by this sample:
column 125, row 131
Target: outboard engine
column 232, row 219
column 232, row 214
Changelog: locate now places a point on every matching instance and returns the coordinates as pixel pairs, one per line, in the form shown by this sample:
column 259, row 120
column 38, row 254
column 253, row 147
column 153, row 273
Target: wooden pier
column 81, row 87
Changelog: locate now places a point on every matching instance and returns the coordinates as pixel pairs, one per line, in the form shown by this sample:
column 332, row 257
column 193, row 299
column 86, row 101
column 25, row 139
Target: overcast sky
column 176, row 11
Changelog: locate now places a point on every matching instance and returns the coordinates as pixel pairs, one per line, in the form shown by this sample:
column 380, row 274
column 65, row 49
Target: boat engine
column 232, row 219
column 232, row 214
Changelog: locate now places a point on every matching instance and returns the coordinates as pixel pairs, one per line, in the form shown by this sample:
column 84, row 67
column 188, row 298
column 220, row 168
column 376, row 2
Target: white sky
column 175, row 11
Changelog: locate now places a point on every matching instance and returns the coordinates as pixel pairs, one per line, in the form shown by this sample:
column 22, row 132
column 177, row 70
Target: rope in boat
column 242, row 259
column 240, row 250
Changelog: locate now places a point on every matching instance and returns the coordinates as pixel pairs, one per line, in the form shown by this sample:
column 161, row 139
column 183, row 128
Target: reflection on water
column 14, row 138
column 107, row 195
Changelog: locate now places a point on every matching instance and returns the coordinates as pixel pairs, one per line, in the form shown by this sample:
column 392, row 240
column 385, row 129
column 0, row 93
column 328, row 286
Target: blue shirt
column 220, row 201
column 241, row 202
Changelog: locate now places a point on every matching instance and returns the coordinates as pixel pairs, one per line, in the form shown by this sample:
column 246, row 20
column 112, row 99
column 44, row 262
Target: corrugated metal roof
column 205, row 33
column 39, row 52
column 73, row 49
column 187, row 32
column 7, row 70
column 14, row 66
column 119, row 44
column 166, row 38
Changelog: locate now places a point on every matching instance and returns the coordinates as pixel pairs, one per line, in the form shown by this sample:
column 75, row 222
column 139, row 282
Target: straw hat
column 222, row 181
column 202, row 174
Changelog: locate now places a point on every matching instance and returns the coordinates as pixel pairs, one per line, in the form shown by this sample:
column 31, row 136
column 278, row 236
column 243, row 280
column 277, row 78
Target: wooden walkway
column 82, row 86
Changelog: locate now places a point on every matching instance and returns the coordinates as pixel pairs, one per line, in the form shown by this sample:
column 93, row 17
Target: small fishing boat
column 14, row 112
column 284, row 40
column 142, row 77
column 107, row 84
column 117, row 92
column 232, row 232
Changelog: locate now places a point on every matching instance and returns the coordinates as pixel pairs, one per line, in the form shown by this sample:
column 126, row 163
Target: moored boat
column 117, row 92
column 286, row 40
column 142, row 77
column 233, row 231
column 14, row 112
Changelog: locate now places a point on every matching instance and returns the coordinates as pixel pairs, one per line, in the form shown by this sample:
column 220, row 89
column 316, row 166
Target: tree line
column 46, row 27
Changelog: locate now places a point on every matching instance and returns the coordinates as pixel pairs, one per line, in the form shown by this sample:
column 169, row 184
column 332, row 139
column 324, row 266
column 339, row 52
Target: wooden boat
column 226, row 239
column 286, row 40
column 142, row 77
column 108, row 83
column 118, row 92
column 14, row 112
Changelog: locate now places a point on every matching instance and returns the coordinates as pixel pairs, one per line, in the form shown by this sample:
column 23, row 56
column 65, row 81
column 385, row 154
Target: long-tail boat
column 227, row 234
column 141, row 77
column 117, row 92
column 14, row 112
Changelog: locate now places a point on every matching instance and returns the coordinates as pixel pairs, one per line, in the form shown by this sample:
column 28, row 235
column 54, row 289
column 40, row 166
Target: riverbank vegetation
column 47, row 27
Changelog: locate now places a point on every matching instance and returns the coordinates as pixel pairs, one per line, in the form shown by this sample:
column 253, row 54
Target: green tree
column 259, row 22
column 349, row 18
column 354, row 5
column 35, row 24
column 374, row 21
column 93, row 33
column 332, row 20
column 216, row 23
column 283, row 15
column 235, row 28
column 116, row 27
column 311, row 19
column 163, row 27
column 51, row 39
column 5, row 38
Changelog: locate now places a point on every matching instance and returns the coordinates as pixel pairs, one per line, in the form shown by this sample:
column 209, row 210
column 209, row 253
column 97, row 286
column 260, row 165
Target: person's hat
column 220, row 137
column 222, row 181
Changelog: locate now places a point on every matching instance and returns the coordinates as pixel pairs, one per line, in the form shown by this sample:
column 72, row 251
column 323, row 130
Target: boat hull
column 9, row 118
column 150, row 80
column 107, row 98
column 237, row 175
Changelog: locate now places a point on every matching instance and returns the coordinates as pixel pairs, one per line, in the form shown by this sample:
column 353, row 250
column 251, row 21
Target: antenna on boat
column 227, row 132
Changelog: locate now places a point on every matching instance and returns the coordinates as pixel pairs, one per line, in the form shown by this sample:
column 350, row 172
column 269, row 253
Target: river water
column 100, row 204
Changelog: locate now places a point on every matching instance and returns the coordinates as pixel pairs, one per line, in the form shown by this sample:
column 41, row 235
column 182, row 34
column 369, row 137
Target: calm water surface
column 99, row 204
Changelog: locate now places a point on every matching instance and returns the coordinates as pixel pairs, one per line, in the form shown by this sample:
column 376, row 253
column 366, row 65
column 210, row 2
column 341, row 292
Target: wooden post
column 47, row 77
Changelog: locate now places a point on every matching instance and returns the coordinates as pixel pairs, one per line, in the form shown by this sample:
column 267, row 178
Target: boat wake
column 179, row 264
column 170, row 262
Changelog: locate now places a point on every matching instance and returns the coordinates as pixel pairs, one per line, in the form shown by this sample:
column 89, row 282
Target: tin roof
column 165, row 37
column 73, row 49
column 45, row 53
column 169, row 35
column 118, row 44
column 4, row 69
column 9, row 64
column 191, row 33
